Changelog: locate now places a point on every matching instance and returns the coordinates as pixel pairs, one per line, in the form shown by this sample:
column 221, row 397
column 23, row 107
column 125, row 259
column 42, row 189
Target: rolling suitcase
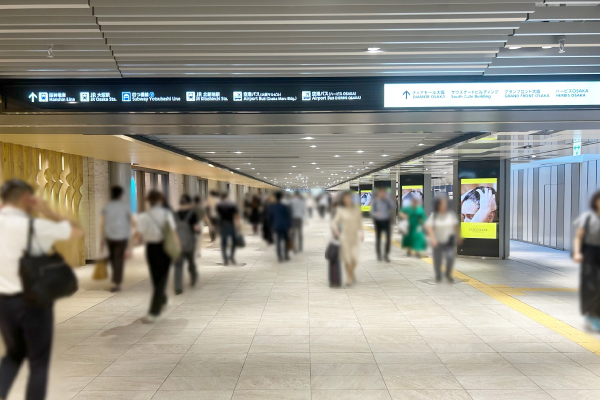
column 332, row 254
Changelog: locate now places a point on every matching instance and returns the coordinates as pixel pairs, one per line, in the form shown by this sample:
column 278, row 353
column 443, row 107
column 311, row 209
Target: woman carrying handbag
column 157, row 229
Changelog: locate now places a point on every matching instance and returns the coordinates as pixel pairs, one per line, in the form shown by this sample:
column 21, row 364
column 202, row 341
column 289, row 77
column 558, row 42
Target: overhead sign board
column 228, row 95
column 491, row 94
column 286, row 95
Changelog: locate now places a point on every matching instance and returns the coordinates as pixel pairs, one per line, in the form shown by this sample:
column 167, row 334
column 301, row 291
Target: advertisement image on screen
column 365, row 200
column 479, row 208
column 409, row 193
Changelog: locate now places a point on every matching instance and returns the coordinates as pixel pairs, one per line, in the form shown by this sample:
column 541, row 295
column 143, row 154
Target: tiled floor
column 265, row 330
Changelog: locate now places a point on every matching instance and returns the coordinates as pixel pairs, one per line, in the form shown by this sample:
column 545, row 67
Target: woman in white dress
column 347, row 227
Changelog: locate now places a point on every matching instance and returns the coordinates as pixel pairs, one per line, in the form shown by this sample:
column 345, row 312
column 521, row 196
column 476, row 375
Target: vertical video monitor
column 410, row 193
column 479, row 208
column 366, row 197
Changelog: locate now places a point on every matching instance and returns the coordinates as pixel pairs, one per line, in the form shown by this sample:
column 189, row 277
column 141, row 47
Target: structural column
column 120, row 175
column 484, row 220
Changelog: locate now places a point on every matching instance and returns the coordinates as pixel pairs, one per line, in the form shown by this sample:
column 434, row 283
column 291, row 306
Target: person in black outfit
column 266, row 224
column 230, row 219
column 254, row 217
column 189, row 217
column 280, row 219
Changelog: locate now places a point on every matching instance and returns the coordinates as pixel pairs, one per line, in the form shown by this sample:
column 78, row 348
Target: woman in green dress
column 414, row 240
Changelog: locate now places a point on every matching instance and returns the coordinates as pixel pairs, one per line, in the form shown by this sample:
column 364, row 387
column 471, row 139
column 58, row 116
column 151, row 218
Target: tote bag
column 45, row 278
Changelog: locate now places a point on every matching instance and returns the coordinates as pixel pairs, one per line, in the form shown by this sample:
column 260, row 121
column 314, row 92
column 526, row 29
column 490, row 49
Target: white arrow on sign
column 33, row 96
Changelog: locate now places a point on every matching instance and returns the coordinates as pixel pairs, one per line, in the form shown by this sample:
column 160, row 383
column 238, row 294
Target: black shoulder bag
column 45, row 278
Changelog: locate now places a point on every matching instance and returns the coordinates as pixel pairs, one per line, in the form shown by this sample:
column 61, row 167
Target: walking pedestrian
column 152, row 226
column 348, row 229
column 213, row 215
column 280, row 221
column 298, row 206
column 26, row 329
column 414, row 240
column 266, row 223
column 442, row 227
column 187, row 225
column 586, row 250
column 203, row 219
column 323, row 204
column 115, row 224
column 383, row 209
column 255, row 211
column 229, row 219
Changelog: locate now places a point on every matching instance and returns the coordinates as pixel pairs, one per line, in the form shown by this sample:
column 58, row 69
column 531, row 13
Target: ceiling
column 543, row 147
column 191, row 38
column 316, row 160
column 124, row 149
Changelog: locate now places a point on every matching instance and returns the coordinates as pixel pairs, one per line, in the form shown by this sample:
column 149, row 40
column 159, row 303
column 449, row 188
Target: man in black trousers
column 26, row 329
column 382, row 210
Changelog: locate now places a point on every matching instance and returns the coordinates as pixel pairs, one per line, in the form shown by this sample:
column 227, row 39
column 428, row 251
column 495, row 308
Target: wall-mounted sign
column 411, row 193
column 479, row 208
column 491, row 94
column 366, row 197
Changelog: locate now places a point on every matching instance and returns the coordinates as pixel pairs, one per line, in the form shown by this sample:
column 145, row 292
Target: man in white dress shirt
column 26, row 329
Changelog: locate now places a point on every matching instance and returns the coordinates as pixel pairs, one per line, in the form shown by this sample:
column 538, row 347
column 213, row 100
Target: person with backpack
column 586, row 251
column 443, row 230
column 187, row 225
column 158, row 230
column 26, row 328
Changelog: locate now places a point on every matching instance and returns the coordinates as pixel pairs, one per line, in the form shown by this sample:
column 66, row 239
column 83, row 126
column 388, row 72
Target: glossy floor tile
column 265, row 330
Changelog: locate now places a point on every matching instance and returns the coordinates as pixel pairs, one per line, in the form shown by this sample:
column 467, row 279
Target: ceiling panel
column 145, row 38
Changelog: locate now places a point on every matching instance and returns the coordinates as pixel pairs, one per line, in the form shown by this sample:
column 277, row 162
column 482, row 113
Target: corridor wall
column 57, row 177
column 547, row 199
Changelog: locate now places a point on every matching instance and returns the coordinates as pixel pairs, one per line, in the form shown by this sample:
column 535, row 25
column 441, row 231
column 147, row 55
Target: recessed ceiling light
column 514, row 47
column 189, row 158
column 350, row 166
column 437, row 151
column 210, row 152
column 293, row 166
column 547, row 47
column 308, row 138
column 251, row 168
column 313, row 146
column 533, row 156
column 445, row 172
column 249, row 163
column 210, row 165
column 289, row 173
column 318, row 168
column 421, row 144
column 374, row 49
column 313, row 163
column 237, row 152
column 384, row 155
column 360, row 151
column 237, row 168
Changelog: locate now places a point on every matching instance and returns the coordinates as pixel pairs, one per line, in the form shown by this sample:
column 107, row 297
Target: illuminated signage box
column 491, row 94
column 287, row 95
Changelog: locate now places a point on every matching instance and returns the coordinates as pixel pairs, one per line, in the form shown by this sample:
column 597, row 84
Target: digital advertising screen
column 409, row 193
column 366, row 197
column 479, row 208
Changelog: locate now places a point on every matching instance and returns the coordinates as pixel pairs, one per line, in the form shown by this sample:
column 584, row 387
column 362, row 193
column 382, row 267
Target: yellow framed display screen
column 410, row 192
column 366, row 197
column 479, row 208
